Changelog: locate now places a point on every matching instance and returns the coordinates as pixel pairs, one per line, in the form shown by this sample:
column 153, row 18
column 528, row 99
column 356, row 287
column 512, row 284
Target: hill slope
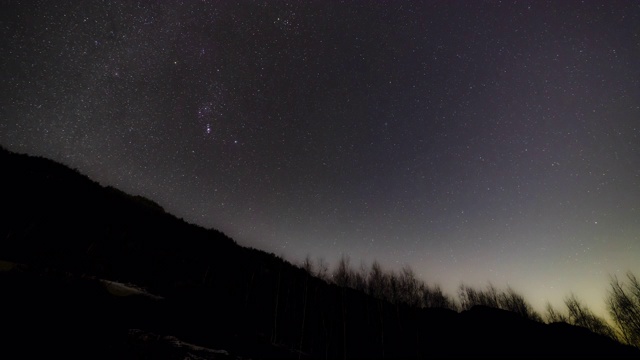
column 69, row 246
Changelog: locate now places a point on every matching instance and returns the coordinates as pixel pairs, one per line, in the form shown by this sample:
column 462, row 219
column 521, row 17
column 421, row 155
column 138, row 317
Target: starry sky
column 475, row 141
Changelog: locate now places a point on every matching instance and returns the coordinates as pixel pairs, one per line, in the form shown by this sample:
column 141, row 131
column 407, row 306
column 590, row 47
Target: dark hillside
column 63, row 237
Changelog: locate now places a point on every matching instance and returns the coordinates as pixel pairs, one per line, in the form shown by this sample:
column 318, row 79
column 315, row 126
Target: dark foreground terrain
column 91, row 272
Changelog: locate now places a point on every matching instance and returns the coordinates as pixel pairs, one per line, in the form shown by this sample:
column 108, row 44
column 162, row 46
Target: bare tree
column 343, row 275
column 359, row 278
column 470, row 297
column 492, row 297
column 581, row 315
column 408, row 287
column 555, row 316
column 307, row 265
column 322, row 271
column 466, row 296
column 376, row 287
column 376, row 281
column 512, row 301
column 392, row 290
column 433, row 297
column 623, row 303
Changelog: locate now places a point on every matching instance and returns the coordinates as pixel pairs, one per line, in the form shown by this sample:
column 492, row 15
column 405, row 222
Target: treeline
column 220, row 295
column 403, row 287
column 396, row 288
column 623, row 304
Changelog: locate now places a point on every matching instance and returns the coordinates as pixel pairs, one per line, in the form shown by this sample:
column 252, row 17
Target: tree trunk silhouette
column 304, row 314
column 275, row 318
column 381, row 306
column 344, row 324
column 246, row 299
column 206, row 273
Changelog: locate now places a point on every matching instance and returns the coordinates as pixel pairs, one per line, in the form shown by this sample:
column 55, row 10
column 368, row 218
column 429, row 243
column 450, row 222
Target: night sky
column 474, row 141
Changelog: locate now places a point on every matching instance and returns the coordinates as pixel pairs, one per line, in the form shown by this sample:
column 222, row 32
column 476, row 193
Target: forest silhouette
column 90, row 271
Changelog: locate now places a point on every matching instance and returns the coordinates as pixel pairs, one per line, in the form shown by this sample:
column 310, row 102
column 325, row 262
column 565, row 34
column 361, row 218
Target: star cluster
column 475, row 141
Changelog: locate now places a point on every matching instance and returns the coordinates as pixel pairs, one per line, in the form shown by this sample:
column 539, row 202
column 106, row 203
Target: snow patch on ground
column 113, row 287
column 120, row 289
column 181, row 344
column 189, row 351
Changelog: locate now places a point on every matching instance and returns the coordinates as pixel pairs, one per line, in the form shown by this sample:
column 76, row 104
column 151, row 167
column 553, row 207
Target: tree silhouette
column 307, row 265
column 433, row 297
column 376, row 281
column 322, row 269
column 470, row 297
column 359, row 278
column 492, row 297
column 554, row 316
column 342, row 275
column 580, row 315
column 512, row 301
column 623, row 302
column 408, row 287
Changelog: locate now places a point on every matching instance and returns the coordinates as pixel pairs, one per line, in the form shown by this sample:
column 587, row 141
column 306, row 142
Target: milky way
column 474, row 141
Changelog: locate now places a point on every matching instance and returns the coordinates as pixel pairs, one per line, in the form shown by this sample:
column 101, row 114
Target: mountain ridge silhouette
column 64, row 236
